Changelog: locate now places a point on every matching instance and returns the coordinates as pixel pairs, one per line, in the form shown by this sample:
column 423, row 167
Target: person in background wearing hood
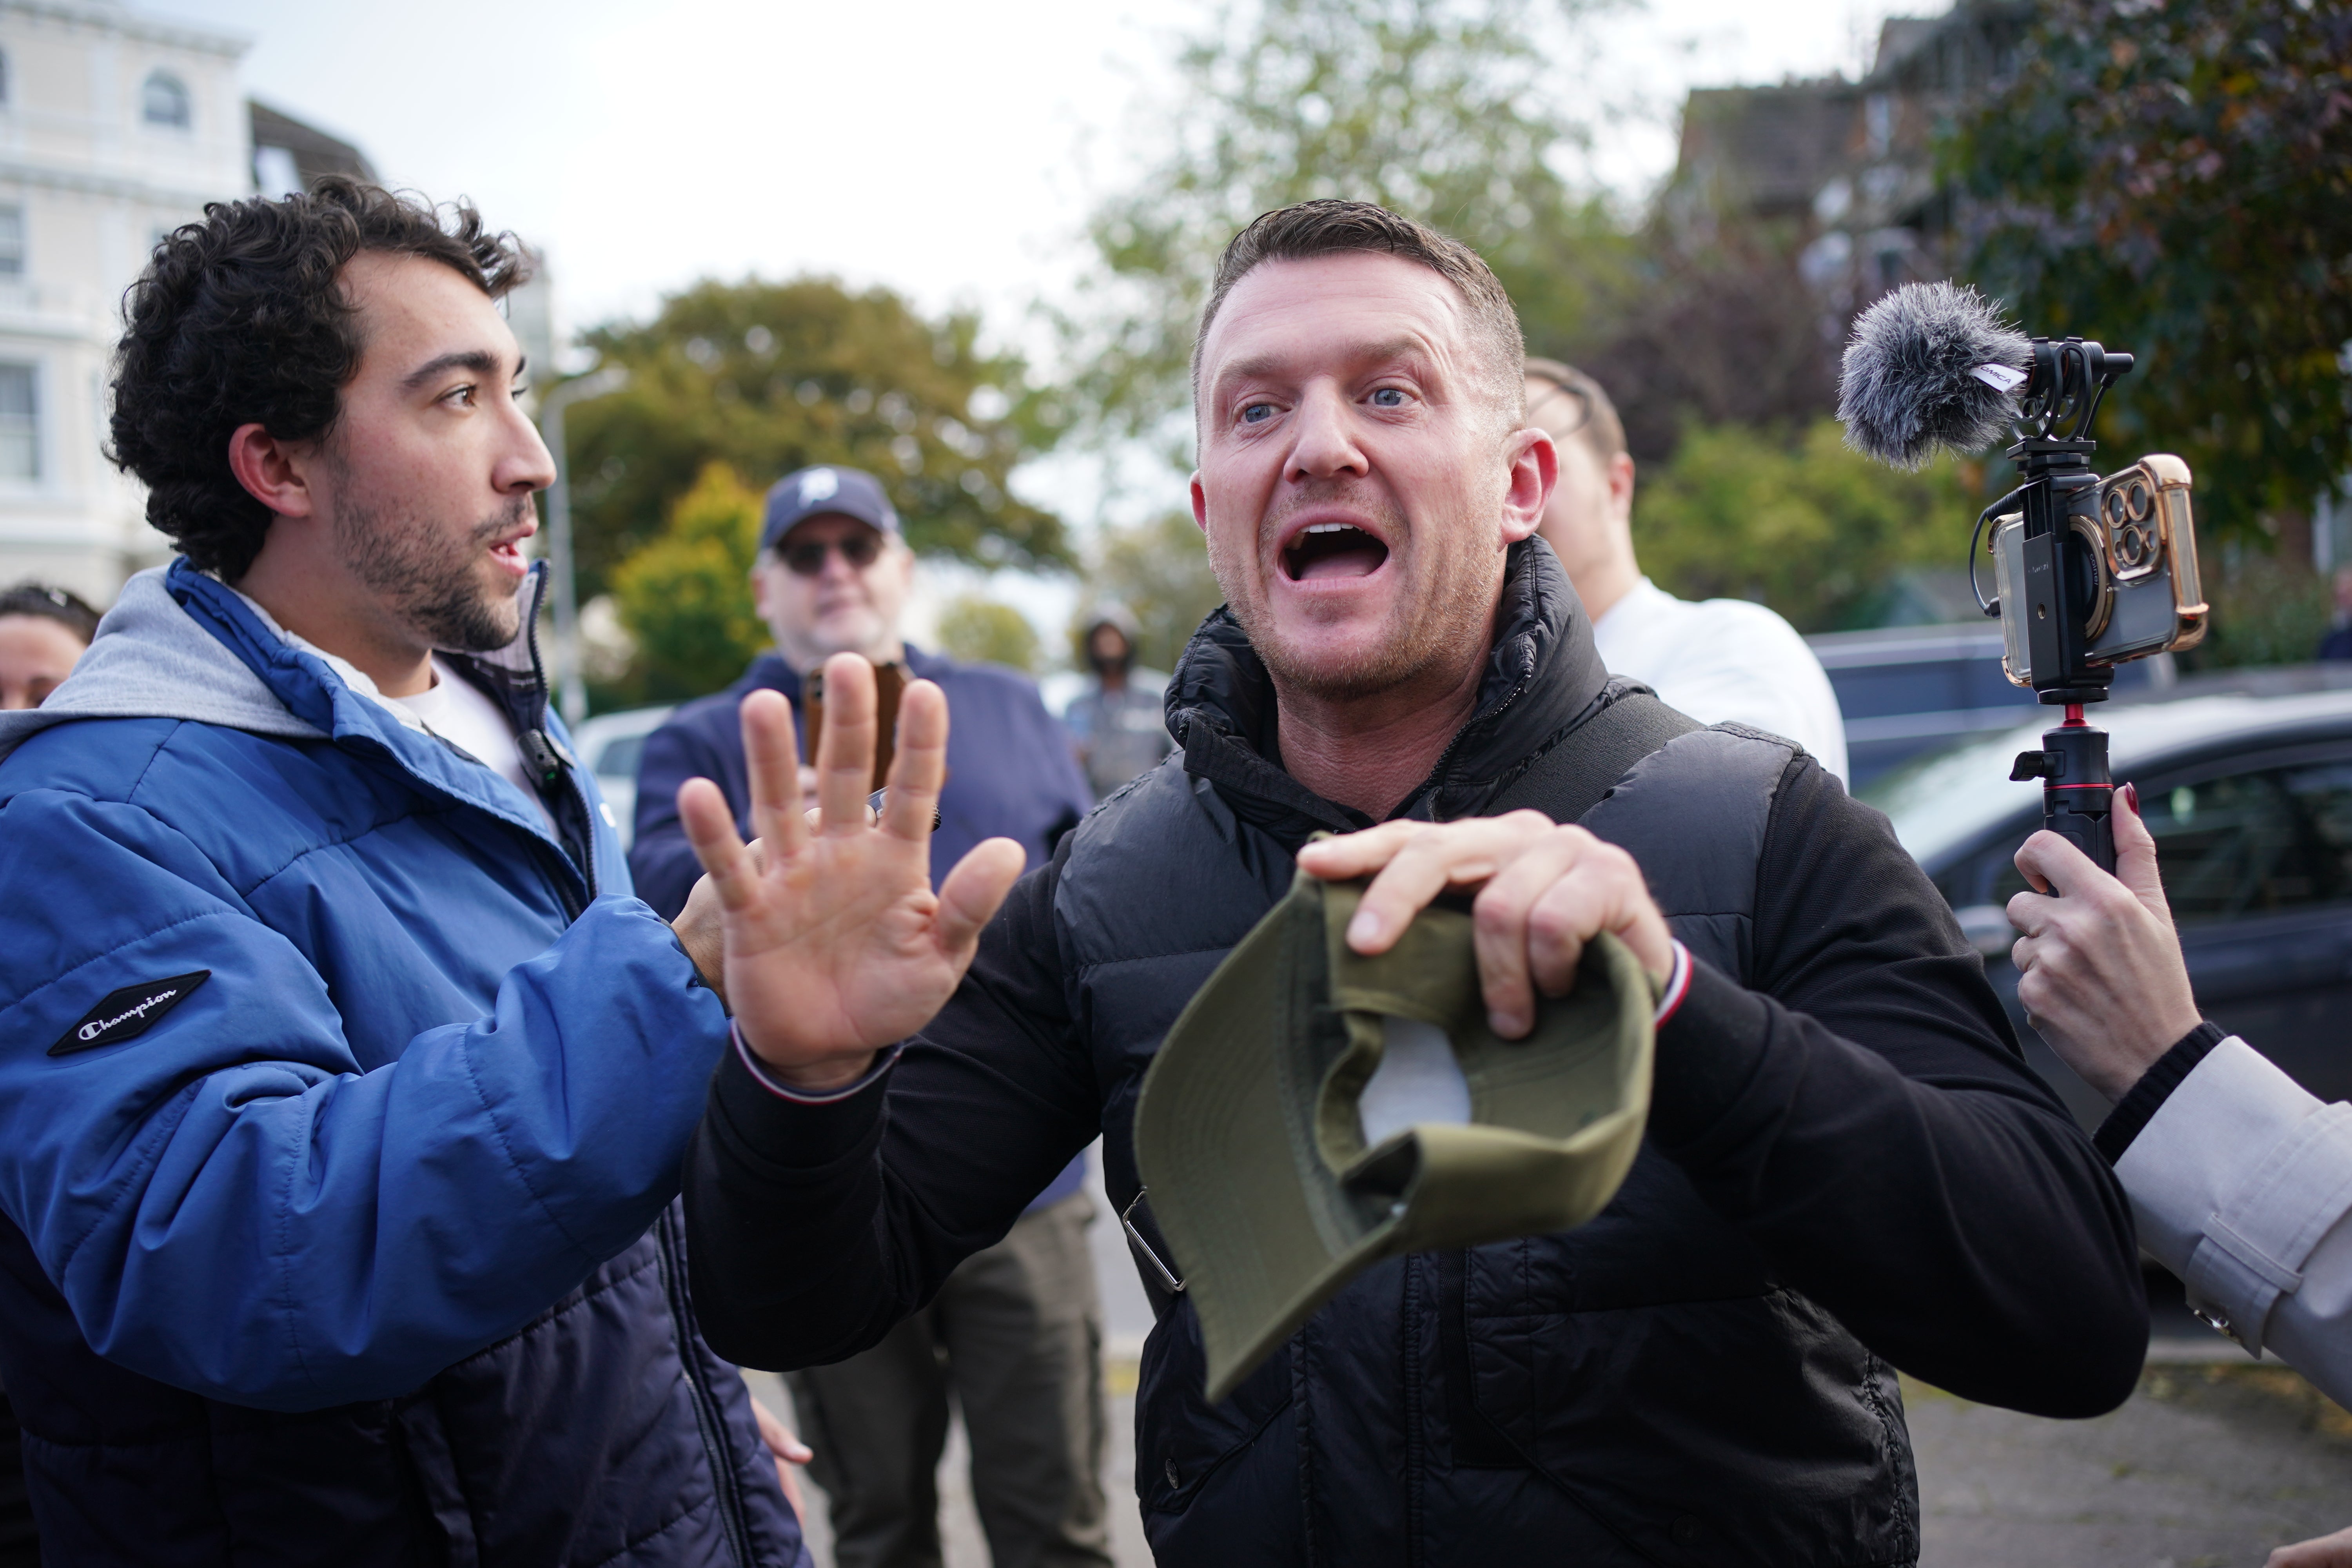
column 343, row 1085
column 1015, row 1332
column 1119, row 725
column 43, row 631
column 1716, row 659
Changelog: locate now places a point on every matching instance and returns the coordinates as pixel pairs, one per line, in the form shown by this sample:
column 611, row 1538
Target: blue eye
column 1388, row 397
column 1258, row 413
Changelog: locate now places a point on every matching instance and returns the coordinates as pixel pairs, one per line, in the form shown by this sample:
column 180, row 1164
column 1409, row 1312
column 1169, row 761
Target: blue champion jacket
column 341, row 1108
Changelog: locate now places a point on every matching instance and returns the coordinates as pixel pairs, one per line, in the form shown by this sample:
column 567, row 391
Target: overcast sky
column 949, row 150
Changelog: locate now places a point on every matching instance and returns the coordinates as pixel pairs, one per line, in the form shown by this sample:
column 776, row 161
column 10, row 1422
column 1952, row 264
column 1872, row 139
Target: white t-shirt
column 454, row 709
column 1724, row 658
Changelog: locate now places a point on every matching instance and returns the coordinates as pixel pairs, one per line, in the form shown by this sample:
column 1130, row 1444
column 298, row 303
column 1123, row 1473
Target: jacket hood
column 153, row 660
column 1543, row 676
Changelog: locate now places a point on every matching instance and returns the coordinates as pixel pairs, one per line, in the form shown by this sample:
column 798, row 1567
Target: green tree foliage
column 770, row 377
column 1447, row 110
column 981, row 630
column 1809, row 528
column 686, row 594
column 2175, row 177
column 2266, row 610
column 1159, row 571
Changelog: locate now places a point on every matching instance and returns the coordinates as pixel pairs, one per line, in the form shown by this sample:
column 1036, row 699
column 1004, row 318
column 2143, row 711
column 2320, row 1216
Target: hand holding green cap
column 1278, row 1168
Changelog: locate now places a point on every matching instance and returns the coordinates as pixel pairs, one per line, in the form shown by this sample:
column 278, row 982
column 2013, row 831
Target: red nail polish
column 2131, row 797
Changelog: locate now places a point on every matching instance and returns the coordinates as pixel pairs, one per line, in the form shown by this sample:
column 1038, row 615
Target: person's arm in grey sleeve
column 2240, row 1181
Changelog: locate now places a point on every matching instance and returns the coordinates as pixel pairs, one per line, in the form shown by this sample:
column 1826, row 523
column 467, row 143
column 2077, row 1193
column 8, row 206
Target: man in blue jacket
column 344, row 1084
column 1018, row 1324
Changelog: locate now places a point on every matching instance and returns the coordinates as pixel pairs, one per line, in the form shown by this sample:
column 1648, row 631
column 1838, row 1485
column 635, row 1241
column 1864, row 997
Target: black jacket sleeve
column 804, row 1247
column 661, row 862
column 1865, row 1113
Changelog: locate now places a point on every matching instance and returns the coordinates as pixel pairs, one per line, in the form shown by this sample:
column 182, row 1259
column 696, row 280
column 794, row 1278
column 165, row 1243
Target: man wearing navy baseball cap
column 1018, row 1323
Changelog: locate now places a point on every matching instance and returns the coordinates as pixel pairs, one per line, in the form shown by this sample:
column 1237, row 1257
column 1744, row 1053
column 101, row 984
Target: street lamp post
column 571, row 690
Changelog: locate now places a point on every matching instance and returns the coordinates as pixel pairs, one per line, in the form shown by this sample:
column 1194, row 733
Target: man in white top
column 1719, row 660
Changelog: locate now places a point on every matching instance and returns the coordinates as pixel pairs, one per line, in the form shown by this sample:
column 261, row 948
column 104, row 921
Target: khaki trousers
column 1017, row 1335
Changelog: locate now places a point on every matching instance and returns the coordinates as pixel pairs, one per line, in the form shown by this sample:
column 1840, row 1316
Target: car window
column 2263, row 841
column 618, row 759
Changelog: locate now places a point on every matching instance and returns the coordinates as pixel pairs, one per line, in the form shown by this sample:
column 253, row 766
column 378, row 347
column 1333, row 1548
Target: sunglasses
column 806, row 558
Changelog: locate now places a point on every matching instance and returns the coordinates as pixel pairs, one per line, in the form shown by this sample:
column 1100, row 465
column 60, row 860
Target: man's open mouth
column 1332, row 550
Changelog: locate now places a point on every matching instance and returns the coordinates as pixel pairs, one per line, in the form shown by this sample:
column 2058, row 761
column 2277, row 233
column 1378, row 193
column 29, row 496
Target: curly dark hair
column 239, row 320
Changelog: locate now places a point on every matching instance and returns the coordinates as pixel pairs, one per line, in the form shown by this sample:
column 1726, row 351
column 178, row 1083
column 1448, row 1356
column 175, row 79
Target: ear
column 273, row 472
column 1200, row 503
column 1621, row 485
column 1534, row 470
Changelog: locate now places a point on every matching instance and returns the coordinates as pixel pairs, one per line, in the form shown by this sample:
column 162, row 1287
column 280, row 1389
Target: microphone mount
column 2053, row 454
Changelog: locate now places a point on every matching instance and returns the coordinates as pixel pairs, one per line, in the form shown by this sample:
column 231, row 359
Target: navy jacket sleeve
column 1865, row 1113
column 661, row 862
column 234, row 1204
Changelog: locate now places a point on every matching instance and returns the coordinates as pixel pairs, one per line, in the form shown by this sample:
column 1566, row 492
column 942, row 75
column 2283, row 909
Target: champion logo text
column 121, row 1014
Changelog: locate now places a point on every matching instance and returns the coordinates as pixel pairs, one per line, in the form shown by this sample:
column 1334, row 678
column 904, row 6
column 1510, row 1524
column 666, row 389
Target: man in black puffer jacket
column 1848, row 1168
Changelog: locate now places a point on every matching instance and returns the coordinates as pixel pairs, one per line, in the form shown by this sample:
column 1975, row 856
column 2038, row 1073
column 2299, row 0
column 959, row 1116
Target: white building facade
column 114, row 128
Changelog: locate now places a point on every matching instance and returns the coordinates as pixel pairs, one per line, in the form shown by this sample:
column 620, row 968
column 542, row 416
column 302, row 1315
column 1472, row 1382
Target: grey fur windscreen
column 1925, row 370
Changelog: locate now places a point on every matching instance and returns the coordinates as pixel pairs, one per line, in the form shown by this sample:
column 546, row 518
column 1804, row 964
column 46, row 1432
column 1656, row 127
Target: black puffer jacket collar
column 1543, row 677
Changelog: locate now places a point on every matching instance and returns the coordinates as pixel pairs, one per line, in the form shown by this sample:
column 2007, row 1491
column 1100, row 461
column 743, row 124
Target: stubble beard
column 1429, row 623
column 433, row 581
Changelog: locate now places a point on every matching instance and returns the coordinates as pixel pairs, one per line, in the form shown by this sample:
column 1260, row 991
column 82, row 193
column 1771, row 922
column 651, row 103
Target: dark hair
column 1332, row 227
column 60, row 605
column 1602, row 433
column 241, row 320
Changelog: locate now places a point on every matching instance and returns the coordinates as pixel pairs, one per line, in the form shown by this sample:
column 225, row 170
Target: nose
column 1325, row 445
column 524, row 464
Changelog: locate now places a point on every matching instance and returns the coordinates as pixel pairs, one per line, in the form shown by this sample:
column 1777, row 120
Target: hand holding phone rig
column 2090, row 572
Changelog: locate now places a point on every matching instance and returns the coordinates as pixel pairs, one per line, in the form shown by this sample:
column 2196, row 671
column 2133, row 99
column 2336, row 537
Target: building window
column 11, row 242
column 165, row 100
column 274, row 172
column 20, row 424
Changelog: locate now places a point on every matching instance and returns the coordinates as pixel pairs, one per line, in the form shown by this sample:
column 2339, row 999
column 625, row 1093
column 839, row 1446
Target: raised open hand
column 836, row 946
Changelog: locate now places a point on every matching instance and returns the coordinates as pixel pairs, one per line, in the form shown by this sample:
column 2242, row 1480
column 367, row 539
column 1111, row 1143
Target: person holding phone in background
column 2240, row 1179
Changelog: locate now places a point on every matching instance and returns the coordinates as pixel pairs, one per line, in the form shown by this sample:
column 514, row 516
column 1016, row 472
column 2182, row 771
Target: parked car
column 1907, row 692
column 610, row 744
column 2246, row 783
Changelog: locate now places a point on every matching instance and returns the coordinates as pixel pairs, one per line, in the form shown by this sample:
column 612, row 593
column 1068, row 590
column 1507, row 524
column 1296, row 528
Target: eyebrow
column 1405, row 347
column 481, row 361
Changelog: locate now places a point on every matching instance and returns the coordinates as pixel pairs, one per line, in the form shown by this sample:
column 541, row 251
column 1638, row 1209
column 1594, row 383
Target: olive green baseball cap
column 1278, row 1167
